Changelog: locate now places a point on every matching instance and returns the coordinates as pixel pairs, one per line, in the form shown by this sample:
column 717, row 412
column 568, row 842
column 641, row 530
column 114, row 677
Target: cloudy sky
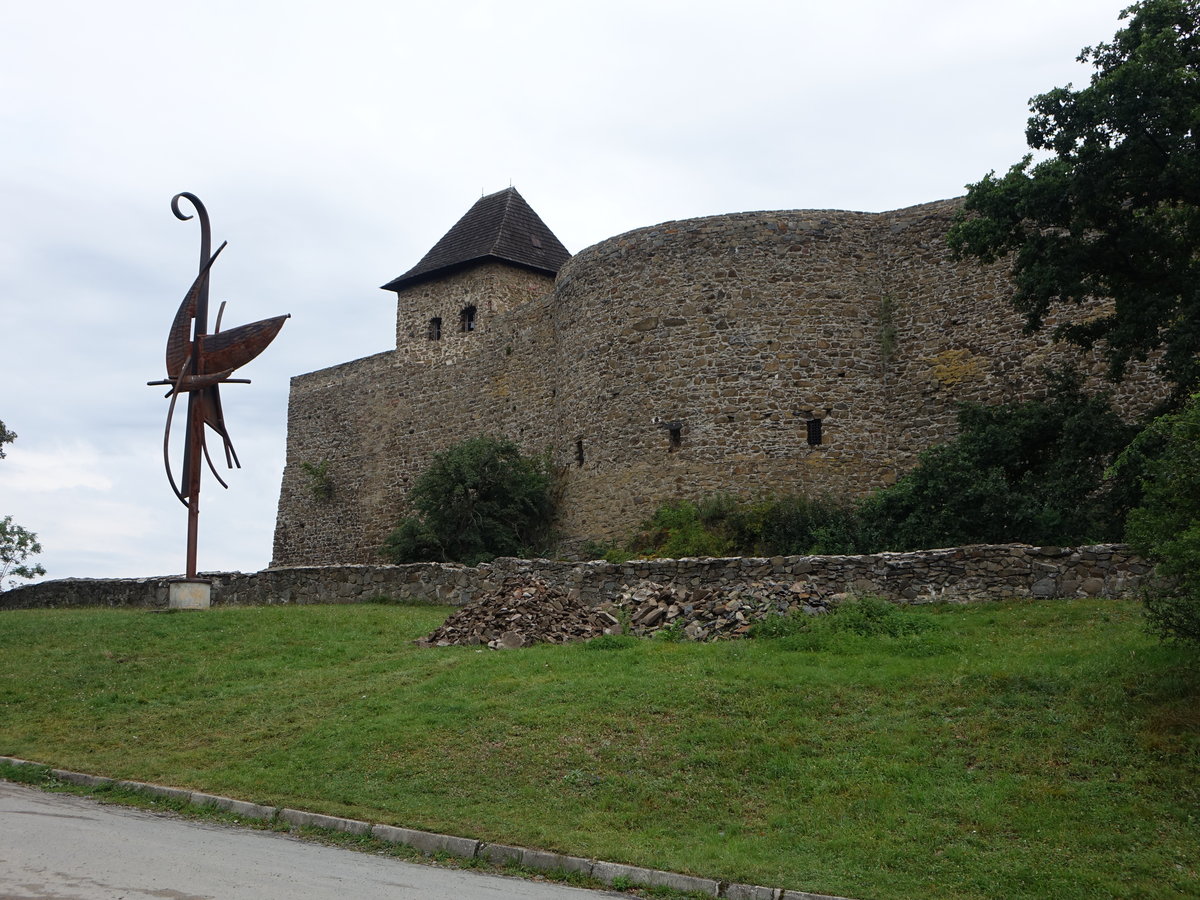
column 334, row 143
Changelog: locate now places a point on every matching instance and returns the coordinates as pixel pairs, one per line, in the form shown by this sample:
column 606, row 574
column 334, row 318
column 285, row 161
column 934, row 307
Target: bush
column 797, row 526
column 677, row 530
column 1166, row 526
column 477, row 500
column 721, row 525
column 1030, row 472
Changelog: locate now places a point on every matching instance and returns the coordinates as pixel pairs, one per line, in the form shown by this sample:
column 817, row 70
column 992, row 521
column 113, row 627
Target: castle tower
column 497, row 256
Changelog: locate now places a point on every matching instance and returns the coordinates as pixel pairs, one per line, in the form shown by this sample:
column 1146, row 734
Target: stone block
column 190, row 595
column 427, row 841
column 155, row 790
column 249, row 810
column 1044, row 587
column 609, row 872
column 549, row 862
column 301, row 819
column 750, row 892
column 80, row 778
column 501, row 854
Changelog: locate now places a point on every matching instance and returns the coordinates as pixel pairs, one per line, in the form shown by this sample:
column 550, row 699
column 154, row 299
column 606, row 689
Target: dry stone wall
column 961, row 574
column 754, row 354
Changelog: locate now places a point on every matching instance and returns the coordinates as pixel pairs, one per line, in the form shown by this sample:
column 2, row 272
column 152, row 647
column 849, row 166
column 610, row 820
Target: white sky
column 334, row 143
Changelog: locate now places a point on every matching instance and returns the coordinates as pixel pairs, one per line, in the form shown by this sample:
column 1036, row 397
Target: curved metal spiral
column 205, row 250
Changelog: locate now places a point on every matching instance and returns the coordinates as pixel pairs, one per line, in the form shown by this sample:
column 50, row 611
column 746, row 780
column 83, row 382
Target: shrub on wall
column 478, row 499
column 723, row 526
column 1029, row 472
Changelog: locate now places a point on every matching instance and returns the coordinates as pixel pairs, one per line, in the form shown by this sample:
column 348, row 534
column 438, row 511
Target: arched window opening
column 466, row 319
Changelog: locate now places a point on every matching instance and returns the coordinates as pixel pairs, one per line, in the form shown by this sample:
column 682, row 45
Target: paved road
column 66, row 847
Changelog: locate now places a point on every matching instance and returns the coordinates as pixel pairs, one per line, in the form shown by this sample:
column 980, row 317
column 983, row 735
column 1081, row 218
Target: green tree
column 477, row 500
column 1166, row 526
column 17, row 544
column 1030, row 472
column 1113, row 210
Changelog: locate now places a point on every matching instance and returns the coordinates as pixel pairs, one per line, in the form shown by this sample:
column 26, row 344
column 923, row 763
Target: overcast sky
column 333, row 144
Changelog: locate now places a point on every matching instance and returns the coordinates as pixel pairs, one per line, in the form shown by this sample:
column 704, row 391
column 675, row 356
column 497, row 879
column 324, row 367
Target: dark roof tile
column 499, row 226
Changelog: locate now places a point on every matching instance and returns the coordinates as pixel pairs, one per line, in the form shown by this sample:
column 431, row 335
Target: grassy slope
column 1020, row 750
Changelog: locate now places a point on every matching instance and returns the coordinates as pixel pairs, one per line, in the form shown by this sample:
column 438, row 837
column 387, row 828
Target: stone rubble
column 525, row 610
column 703, row 614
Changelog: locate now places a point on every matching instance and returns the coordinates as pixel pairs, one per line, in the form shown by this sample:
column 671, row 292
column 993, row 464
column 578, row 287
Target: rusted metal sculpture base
column 190, row 593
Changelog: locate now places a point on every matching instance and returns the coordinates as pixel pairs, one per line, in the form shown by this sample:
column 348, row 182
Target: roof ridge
column 509, row 192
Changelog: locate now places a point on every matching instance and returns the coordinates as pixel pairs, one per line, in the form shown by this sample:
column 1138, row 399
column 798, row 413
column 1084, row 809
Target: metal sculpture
column 198, row 363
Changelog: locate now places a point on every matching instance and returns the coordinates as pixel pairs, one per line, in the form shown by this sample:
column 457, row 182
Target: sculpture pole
column 195, row 428
column 197, row 364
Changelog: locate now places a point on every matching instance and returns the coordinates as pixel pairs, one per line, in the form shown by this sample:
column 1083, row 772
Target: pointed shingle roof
column 499, row 226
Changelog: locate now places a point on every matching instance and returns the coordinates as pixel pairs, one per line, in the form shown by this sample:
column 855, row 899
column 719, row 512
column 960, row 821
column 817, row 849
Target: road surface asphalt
column 67, row 847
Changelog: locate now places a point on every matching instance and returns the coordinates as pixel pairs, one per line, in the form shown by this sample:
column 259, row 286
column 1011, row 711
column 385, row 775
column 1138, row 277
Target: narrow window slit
column 675, row 433
column 434, row 332
column 814, row 432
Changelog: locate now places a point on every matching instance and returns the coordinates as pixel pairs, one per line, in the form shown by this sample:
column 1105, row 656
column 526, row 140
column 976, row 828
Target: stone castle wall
column 671, row 362
column 958, row 574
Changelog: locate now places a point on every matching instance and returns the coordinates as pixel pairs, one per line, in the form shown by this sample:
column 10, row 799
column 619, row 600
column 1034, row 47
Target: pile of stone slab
column 525, row 610
column 703, row 614
column 522, row 611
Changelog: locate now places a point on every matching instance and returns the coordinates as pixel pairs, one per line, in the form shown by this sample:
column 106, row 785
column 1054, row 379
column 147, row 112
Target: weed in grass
column 856, row 626
column 612, row 642
column 35, row 775
column 781, row 626
column 672, row 633
column 869, row 615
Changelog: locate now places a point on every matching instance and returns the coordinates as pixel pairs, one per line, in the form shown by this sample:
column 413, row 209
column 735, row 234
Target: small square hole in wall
column 814, row 432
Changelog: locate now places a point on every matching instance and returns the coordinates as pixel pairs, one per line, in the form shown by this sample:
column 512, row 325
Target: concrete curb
column 429, row 842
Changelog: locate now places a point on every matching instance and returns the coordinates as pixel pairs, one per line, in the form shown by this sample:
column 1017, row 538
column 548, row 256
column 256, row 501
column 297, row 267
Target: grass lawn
column 1044, row 749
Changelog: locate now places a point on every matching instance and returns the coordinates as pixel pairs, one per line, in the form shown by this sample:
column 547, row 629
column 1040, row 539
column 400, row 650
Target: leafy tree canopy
column 6, row 437
column 17, row 544
column 477, row 500
column 1113, row 211
column 1166, row 526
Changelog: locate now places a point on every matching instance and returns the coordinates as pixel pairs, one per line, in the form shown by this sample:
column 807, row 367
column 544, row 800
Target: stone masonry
column 752, row 354
column 957, row 574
